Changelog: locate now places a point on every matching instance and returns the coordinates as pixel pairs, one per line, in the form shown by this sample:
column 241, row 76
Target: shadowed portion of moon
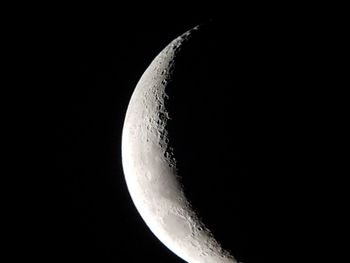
column 213, row 99
column 202, row 133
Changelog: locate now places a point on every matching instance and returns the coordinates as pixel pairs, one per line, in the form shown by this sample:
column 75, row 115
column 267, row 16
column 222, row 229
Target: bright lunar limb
column 150, row 166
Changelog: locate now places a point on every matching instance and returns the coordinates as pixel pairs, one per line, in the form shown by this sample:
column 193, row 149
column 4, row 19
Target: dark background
column 262, row 130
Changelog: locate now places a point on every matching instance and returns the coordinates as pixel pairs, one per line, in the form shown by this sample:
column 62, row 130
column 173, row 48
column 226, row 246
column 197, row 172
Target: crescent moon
column 150, row 166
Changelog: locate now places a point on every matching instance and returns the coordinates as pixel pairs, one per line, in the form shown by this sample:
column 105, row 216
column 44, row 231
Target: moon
column 150, row 166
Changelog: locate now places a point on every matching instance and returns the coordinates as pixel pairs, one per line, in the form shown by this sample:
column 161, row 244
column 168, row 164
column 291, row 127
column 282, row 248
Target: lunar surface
column 150, row 167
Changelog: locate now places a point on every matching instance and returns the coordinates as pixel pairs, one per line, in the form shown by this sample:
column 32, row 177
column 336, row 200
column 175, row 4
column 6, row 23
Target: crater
column 176, row 226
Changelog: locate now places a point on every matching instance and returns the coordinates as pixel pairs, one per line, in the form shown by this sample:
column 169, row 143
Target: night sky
column 100, row 60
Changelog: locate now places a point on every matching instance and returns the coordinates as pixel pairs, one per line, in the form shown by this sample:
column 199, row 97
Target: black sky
column 100, row 57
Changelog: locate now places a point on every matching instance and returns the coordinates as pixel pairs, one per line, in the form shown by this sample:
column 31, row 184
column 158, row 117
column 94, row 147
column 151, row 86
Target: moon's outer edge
column 150, row 167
